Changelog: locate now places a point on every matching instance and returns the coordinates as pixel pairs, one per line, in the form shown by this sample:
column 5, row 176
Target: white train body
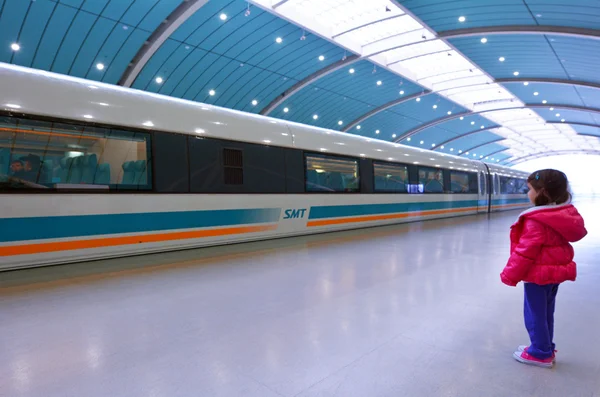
column 58, row 223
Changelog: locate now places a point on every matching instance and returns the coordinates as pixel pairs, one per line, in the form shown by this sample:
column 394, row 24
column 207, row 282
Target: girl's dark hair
column 552, row 186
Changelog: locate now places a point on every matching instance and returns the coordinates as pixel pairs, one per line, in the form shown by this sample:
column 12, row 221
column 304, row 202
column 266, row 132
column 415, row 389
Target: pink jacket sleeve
column 524, row 253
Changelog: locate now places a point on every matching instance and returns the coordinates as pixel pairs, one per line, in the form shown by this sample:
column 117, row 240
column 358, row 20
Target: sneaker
column 523, row 348
column 526, row 358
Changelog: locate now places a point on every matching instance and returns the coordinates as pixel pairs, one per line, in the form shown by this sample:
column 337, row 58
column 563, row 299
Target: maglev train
column 90, row 170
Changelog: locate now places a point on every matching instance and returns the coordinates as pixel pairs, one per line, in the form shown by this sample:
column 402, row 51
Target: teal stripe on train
column 340, row 211
column 52, row 227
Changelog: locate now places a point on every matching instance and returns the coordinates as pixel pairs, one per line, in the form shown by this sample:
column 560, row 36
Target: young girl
column 541, row 256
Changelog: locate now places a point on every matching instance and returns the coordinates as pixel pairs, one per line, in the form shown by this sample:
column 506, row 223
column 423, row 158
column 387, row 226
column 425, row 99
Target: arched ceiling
column 503, row 80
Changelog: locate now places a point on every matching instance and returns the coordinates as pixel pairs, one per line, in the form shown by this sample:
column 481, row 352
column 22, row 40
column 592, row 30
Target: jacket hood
column 563, row 218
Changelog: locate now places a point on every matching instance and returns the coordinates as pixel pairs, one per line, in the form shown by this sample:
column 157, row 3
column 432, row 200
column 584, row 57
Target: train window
column 432, row 180
column 459, row 182
column 482, row 183
column 50, row 155
column 513, row 185
column 331, row 174
column 390, row 177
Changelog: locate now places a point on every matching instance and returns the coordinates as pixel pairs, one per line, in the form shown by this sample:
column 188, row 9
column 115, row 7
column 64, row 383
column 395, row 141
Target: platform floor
column 410, row 310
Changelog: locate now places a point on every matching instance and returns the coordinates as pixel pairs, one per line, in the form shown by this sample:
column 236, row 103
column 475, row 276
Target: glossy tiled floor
column 414, row 310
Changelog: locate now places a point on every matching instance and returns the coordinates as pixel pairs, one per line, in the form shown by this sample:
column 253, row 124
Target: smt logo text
column 294, row 213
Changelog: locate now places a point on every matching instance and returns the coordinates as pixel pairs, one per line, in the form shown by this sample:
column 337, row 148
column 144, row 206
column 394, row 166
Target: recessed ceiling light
column 321, row 58
column 441, row 147
column 13, row 106
column 460, row 151
column 15, row 47
column 467, row 154
column 461, row 19
column 462, row 118
column 285, row 110
column 401, row 92
column 100, row 66
column 211, row 92
column 516, row 73
column 562, row 120
column 358, row 127
column 394, row 135
column 379, row 82
column 502, row 59
column 279, row 40
column 422, row 142
column 315, row 116
column 544, row 101
column 254, row 102
column 223, row 17
column 435, row 106
column 408, row 139
column 551, row 109
column 88, row 116
column 484, row 40
column 482, row 127
column 536, row 93
column 557, row 114
column 472, row 123
column 377, row 131
column 351, row 70
column 526, row 83
column 418, row 99
column 451, row 149
column 340, row 122
column 159, row 80
column 433, row 145
column 449, row 112
column 148, row 124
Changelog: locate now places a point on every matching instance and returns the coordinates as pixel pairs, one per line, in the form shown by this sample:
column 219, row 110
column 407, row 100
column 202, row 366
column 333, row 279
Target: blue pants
column 540, row 301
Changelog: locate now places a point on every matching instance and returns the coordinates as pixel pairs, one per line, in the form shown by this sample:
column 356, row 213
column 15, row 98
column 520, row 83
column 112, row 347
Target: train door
column 483, row 199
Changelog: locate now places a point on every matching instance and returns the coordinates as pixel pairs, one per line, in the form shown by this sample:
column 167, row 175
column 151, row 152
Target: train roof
column 35, row 92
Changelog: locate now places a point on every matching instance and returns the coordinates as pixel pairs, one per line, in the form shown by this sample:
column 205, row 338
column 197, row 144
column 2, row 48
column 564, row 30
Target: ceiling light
column 223, row 17
column 418, row 99
column 498, row 160
column 278, row 40
column 148, row 124
column 544, row 101
column 467, row 154
column 449, row 112
column 481, row 156
column 358, row 127
column 159, row 80
column 562, row 120
column 351, row 70
column 536, row 93
column 394, row 135
column 460, row 151
column 13, row 106
column 551, row 109
column 321, row 58
column 451, row 149
column 516, row 73
column 441, row 147
column 526, row 83
column 340, row 122
column 15, row 47
column 557, row 114
column 88, row 116
column 377, row 132
column 433, row 145
column 379, row 82
column 422, row 142
column 100, row 66
column 211, row 92
column 254, row 102
column 435, row 106
column 315, row 116
column 502, row 59
column 472, row 123
column 461, row 19
column 285, row 110
column 401, row 92
column 484, row 40
column 462, row 118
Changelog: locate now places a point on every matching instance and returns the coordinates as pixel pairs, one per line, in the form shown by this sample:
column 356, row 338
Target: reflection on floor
column 411, row 310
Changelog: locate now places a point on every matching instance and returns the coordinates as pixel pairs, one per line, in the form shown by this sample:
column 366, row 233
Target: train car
column 90, row 170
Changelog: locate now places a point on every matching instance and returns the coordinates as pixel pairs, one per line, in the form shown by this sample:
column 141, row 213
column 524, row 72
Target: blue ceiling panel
column 430, row 137
column 590, row 96
column 490, row 151
column 529, row 55
column 388, row 123
column 443, row 14
column 468, row 142
column 570, row 116
column 580, row 57
column 552, row 93
column 587, row 130
column 71, row 37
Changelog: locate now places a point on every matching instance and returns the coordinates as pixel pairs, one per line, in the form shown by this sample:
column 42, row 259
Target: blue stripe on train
column 20, row 229
column 339, row 211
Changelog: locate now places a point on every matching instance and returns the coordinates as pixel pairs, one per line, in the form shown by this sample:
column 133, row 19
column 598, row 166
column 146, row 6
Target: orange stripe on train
column 28, row 249
column 372, row 218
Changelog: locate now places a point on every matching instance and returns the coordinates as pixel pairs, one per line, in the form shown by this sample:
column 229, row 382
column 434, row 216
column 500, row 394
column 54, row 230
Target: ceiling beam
column 382, row 108
column 549, row 81
column 307, row 81
column 497, row 151
column 527, row 106
column 522, row 29
column 455, row 138
column 573, row 123
column 181, row 14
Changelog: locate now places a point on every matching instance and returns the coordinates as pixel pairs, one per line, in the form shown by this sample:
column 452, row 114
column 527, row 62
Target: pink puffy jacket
column 540, row 252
